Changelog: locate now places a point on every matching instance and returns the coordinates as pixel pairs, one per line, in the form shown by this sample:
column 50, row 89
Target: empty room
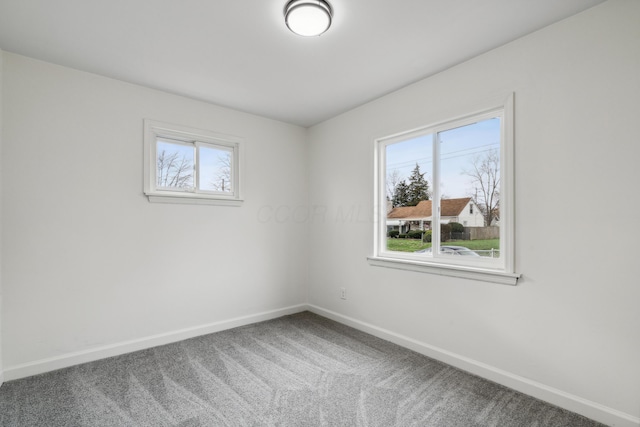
column 319, row 213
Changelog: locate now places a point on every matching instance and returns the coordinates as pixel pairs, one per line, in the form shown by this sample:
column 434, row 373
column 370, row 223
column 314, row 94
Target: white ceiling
column 239, row 53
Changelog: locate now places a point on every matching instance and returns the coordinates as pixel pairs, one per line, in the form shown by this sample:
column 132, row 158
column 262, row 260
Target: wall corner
column 1, row 133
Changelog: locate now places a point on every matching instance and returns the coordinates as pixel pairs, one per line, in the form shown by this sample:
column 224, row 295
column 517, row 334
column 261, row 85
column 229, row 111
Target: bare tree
column 485, row 177
column 393, row 179
column 222, row 181
column 174, row 171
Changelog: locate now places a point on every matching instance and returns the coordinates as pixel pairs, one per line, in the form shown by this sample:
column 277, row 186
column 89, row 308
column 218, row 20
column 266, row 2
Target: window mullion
column 435, row 197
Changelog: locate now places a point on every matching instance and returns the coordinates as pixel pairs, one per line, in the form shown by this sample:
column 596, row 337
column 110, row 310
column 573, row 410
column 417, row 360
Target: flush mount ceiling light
column 308, row 17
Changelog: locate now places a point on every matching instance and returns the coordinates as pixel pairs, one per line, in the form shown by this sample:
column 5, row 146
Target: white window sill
column 192, row 199
column 484, row 275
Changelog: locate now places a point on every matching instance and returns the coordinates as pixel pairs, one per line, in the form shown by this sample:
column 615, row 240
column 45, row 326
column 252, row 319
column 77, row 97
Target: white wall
column 89, row 261
column 1, row 68
column 571, row 326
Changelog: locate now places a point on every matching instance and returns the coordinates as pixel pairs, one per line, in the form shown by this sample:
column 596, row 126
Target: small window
column 449, row 182
column 185, row 165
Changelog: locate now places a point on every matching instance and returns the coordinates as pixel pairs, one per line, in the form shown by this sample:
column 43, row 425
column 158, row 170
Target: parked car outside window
column 451, row 250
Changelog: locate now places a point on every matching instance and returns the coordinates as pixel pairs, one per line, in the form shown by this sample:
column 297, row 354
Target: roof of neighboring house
column 402, row 212
column 448, row 207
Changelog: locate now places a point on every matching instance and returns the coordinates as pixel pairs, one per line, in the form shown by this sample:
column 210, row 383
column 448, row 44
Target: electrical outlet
column 343, row 293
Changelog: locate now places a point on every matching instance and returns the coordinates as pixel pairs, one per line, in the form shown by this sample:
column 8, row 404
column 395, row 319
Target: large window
column 445, row 197
column 185, row 165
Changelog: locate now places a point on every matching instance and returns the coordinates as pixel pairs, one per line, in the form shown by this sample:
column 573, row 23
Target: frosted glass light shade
column 308, row 17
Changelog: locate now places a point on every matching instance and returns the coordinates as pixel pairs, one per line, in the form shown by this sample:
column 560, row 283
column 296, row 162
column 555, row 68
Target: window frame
column 500, row 270
column 198, row 138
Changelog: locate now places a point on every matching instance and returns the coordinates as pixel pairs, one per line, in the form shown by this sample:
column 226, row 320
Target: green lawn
column 477, row 244
column 406, row 245
column 412, row 245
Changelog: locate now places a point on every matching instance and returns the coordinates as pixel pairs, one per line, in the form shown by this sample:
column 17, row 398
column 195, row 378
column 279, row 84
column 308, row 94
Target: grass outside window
column 412, row 245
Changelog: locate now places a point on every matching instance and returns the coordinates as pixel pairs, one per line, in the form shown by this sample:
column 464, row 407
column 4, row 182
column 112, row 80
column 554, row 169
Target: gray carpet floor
column 299, row 370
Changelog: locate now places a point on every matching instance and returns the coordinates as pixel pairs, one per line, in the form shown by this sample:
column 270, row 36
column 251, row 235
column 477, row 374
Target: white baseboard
column 76, row 358
column 593, row 410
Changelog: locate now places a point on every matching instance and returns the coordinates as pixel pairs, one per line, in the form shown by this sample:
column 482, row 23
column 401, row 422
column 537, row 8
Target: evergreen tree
column 418, row 188
column 400, row 194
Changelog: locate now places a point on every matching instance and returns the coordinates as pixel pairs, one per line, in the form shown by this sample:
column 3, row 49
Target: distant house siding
column 404, row 218
column 475, row 219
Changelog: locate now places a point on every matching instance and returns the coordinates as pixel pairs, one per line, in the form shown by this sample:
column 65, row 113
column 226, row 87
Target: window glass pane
column 215, row 169
column 174, row 165
column 470, row 189
column 408, row 190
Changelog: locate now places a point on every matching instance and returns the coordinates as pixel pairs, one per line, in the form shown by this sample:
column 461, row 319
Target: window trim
column 154, row 130
column 502, row 271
